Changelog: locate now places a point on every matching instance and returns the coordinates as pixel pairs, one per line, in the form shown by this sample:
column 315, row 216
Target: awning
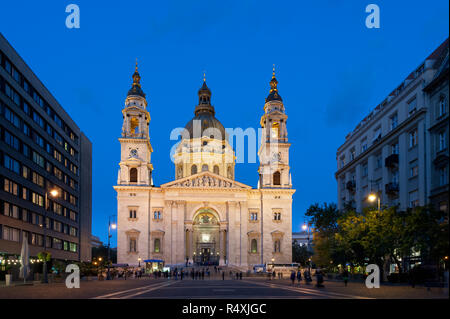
column 154, row 261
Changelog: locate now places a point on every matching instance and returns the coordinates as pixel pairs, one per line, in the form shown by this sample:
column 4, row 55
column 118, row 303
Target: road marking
column 145, row 291
column 125, row 291
column 311, row 291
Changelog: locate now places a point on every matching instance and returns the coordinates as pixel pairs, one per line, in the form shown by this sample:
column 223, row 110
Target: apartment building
column 400, row 150
column 45, row 168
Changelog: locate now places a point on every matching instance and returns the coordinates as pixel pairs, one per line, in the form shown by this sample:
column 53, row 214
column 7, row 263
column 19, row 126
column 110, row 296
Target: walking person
column 223, row 275
column 293, row 277
column 240, row 275
column 345, row 276
column 319, row 277
column 299, row 277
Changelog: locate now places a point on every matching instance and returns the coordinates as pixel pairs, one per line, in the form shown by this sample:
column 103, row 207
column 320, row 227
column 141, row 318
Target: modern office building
column 400, row 150
column 42, row 150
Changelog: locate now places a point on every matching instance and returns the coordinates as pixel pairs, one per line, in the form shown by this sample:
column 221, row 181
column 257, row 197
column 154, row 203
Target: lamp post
column 139, row 260
column 113, row 226
column 305, row 227
column 53, row 193
column 375, row 197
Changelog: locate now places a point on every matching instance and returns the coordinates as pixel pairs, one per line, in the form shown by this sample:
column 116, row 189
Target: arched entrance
column 206, row 239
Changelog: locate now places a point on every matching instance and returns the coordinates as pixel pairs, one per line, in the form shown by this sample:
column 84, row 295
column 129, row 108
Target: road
column 248, row 288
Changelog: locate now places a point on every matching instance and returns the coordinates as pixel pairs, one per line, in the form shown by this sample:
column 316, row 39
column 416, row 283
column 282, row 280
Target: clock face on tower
column 133, row 153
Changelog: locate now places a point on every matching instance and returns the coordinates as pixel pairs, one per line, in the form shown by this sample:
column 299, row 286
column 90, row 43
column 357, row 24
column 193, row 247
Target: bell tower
column 274, row 150
column 135, row 162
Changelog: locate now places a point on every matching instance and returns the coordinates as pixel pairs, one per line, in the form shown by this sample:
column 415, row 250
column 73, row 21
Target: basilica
column 204, row 216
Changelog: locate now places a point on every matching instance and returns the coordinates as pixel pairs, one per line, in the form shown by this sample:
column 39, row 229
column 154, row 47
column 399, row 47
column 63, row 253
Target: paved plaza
column 247, row 288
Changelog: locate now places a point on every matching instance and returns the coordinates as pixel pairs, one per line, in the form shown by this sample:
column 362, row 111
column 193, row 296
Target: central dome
column 204, row 118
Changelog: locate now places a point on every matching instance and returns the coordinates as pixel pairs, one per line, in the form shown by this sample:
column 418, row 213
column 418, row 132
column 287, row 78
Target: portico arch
column 206, row 236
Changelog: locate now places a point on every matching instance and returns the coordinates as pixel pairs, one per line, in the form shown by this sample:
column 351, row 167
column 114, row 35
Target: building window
column 132, row 245
column 133, row 175
column 364, row 145
column 216, row 169
column 253, row 216
column 376, row 135
column 277, row 178
column 11, row 234
column 414, row 199
column 73, row 247
column 442, row 106
column 11, row 164
column 276, row 216
column 412, row 106
column 277, row 246
column 394, row 148
column 205, row 168
column 133, row 213
column 414, row 171
column 342, row 161
column 442, row 141
column 413, row 138
column 193, row 169
column 157, row 214
column 365, row 170
column 11, row 187
column 352, row 154
column 157, row 245
column 378, row 161
column 254, row 246
column 394, row 121
column 275, row 130
column 442, row 172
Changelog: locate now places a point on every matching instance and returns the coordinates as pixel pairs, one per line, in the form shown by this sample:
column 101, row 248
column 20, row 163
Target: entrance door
column 206, row 254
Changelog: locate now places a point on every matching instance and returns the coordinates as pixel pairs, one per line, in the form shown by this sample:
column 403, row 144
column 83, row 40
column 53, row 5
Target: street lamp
column 139, row 260
column 113, row 226
column 53, row 193
column 374, row 197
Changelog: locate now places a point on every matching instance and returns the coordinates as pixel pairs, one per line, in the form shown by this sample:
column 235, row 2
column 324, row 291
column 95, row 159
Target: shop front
column 152, row 265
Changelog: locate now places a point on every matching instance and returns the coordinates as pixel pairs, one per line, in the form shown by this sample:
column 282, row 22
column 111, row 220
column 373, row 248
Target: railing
column 391, row 161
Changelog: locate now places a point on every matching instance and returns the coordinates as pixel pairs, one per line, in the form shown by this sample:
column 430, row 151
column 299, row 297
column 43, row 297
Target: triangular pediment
column 205, row 180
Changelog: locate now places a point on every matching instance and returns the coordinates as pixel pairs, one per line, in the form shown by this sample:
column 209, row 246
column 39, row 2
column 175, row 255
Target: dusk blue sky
column 332, row 72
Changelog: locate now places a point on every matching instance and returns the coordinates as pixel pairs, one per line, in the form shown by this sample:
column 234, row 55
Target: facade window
column 277, row 246
column 11, row 234
column 11, row 140
column 216, row 169
column 342, row 161
column 11, row 164
column 157, row 214
column 133, row 245
column 193, row 169
column 277, row 178
column 157, row 245
column 253, row 216
column 442, row 106
column 352, row 154
column 413, row 138
column 73, row 247
column 414, row 171
column 37, row 199
column 364, row 146
column 254, row 246
column 378, row 161
column 133, row 175
column 364, row 170
column 442, row 172
column 11, row 187
column 376, row 135
column 412, row 106
column 10, row 210
column 38, row 159
column 73, row 215
column 133, row 213
column 414, row 199
column 394, row 148
column 38, row 179
column 205, row 168
column 442, row 141
column 394, row 121
column 276, row 216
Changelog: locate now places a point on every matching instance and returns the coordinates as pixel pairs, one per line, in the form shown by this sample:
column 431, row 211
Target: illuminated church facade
column 204, row 216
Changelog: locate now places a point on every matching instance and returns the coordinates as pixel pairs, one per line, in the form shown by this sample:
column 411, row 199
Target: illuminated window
column 254, row 246
column 275, row 130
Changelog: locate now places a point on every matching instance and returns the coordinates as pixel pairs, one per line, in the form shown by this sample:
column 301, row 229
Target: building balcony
column 351, row 186
column 392, row 189
column 391, row 161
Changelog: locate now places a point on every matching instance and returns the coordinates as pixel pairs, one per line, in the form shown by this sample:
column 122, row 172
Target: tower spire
column 273, row 94
column 136, row 86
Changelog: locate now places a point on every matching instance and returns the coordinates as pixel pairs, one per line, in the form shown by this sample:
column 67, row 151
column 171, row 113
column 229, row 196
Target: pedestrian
column 299, row 276
column 345, row 276
column 293, row 277
column 319, row 277
column 273, row 274
column 237, row 275
column 223, row 275
column 203, row 274
column 240, row 275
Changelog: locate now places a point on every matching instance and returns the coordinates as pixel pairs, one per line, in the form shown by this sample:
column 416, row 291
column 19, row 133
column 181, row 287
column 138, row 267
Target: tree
column 300, row 253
